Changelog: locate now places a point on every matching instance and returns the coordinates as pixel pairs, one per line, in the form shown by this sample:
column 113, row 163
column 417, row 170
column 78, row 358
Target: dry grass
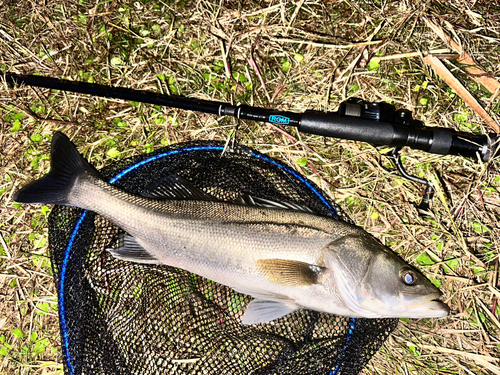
column 310, row 55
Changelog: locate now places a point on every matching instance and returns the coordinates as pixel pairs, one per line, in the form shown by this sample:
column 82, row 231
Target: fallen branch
column 455, row 84
column 471, row 66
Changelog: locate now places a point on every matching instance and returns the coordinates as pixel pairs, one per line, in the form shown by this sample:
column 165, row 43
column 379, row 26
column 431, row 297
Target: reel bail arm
column 429, row 191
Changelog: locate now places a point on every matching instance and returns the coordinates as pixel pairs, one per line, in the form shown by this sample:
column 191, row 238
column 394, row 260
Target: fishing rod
column 375, row 123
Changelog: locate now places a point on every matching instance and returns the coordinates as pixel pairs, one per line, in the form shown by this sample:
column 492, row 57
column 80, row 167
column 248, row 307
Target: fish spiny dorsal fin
column 176, row 187
column 289, row 272
column 249, row 200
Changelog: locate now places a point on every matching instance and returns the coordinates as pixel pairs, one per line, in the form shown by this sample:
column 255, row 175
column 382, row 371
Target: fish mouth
column 429, row 306
column 438, row 308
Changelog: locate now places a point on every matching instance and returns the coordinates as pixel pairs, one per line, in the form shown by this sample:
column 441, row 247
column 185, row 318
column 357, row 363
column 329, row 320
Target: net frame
column 95, row 313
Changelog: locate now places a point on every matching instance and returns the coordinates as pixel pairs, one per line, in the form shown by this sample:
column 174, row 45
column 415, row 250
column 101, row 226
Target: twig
column 273, row 8
column 35, row 117
column 456, row 85
column 484, row 208
column 256, row 69
column 276, row 94
column 296, row 12
column 326, row 45
column 492, row 317
column 478, row 358
column 226, row 63
column 478, row 74
column 414, row 54
column 29, row 113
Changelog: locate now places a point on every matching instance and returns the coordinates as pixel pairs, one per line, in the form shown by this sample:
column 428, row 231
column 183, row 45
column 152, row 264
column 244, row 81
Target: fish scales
column 285, row 258
column 202, row 234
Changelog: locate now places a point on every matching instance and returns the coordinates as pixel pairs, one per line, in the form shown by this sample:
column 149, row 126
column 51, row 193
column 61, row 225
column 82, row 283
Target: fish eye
column 408, row 276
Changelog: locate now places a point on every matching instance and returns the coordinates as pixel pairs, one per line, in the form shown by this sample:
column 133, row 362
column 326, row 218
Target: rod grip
column 434, row 140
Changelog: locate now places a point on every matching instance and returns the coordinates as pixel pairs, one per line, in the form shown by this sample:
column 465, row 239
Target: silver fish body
column 286, row 259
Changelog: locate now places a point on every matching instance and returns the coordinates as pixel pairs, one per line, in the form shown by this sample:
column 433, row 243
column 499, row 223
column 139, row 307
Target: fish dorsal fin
column 131, row 250
column 249, row 200
column 175, row 187
column 289, row 272
column 263, row 311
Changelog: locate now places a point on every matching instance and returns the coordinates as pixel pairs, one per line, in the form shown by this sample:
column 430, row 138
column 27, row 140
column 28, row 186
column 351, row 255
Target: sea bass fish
column 282, row 255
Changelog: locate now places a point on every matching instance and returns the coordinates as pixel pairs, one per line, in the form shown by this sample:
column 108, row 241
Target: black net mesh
column 124, row 318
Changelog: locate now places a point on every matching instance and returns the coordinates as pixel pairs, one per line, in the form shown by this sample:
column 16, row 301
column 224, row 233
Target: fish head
column 375, row 283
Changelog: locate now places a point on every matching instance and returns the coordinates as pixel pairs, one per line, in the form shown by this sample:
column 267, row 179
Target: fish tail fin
column 66, row 164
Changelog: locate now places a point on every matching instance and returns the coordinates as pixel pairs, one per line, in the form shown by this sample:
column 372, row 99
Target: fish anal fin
column 290, row 272
column 131, row 250
column 263, row 311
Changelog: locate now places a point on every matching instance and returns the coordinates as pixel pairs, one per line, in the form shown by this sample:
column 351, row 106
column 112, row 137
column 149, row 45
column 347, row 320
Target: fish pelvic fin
column 266, row 306
column 263, row 311
column 66, row 164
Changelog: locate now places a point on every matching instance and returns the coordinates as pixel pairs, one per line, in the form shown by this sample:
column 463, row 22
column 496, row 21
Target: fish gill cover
column 125, row 318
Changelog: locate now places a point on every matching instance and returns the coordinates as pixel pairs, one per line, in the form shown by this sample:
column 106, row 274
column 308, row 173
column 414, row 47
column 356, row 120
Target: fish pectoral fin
column 290, row 272
column 175, row 187
column 131, row 250
column 263, row 311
